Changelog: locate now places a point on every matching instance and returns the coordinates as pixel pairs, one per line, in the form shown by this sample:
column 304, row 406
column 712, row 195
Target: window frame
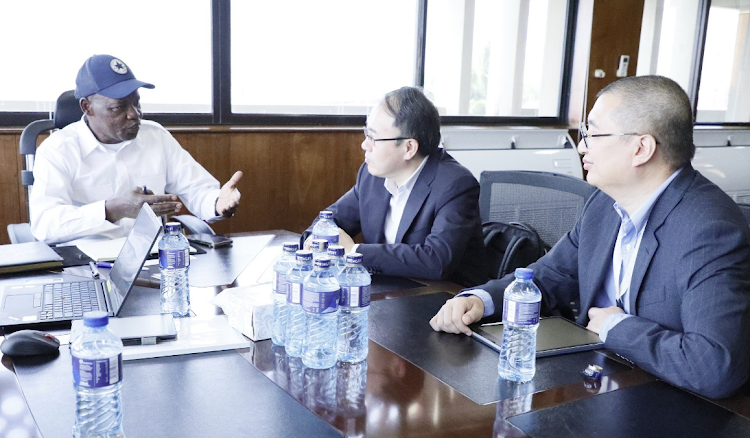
column 222, row 82
column 697, row 65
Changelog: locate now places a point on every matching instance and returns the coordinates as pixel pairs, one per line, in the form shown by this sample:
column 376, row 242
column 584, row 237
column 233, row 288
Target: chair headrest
column 67, row 110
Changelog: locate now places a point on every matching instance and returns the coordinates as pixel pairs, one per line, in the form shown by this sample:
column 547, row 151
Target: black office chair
column 549, row 202
column 66, row 112
column 745, row 209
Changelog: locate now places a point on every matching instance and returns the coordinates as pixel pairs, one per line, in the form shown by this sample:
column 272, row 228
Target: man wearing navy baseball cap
column 92, row 177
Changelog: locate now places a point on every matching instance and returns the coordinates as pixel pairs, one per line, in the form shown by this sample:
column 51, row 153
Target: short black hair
column 658, row 106
column 415, row 116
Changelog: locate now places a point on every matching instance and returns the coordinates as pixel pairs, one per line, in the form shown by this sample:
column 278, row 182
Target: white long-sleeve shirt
column 74, row 174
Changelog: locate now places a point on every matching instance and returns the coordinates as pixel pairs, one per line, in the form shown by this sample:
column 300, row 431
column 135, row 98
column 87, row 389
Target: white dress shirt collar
column 393, row 189
column 89, row 141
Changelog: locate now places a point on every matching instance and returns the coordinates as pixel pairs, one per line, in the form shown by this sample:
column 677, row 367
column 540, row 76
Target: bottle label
column 355, row 296
column 294, row 293
column 521, row 313
column 279, row 283
column 174, row 258
column 332, row 240
column 97, row 373
column 321, row 302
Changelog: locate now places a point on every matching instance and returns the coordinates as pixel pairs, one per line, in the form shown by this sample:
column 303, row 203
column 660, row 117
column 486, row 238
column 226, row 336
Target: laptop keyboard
column 69, row 300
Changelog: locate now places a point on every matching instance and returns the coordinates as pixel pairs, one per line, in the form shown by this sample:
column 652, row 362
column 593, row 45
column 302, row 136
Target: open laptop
column 52, row 302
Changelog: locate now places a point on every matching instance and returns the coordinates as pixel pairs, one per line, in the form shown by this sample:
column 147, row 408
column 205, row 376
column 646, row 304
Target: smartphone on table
column 209, row 240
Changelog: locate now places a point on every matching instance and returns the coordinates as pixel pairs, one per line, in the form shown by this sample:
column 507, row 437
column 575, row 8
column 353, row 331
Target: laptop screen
column 132, row 256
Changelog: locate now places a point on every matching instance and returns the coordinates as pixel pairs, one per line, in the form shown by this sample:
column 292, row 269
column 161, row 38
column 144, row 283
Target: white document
column 108, row 250
column 102, row 250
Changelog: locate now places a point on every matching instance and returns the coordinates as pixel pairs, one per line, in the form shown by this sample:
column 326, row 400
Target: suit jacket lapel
column 649, row 243
column 646, row 251
column 418, row 194
column 600, row 266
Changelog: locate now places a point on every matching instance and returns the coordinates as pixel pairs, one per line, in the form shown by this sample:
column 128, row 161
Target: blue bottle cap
column 354, row 258
column 336, row 250
column 291, row 247
column 304, row 255
column 96, row 318
column 524, row 274
column 319, row 245
column 592, row 372
column 325, row 214
column 173, row 227
column 323, row 262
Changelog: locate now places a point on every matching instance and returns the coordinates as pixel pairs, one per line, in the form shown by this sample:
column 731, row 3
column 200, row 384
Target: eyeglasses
column 584, row 135
column 373, row 140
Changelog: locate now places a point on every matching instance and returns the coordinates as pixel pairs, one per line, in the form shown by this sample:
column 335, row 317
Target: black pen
column 94, row 270
column 145, row 190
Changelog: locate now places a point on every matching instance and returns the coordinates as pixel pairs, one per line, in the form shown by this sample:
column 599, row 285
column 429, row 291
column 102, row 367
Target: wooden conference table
column 415, row 383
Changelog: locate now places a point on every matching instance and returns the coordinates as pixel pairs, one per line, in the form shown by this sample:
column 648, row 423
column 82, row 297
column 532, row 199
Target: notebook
column 29, row 256
column 32, row 304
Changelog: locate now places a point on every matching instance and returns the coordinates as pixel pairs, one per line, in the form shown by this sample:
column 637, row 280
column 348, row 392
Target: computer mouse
column 29, row 343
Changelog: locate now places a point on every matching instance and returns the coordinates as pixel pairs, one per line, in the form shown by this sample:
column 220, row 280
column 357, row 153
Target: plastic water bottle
column 521, row 307
column 338, row 263
column 283, row 264
column 97, row 379
column 320, row 300
column 295, row 327
column 353, row 308
column 174, row 262
column 319, row 248
column 326, row 228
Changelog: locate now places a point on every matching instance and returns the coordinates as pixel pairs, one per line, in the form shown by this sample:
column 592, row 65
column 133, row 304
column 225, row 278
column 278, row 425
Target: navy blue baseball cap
column 108, row 76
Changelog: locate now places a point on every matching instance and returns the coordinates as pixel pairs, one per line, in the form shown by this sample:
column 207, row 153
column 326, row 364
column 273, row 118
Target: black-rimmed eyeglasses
column 373, row 140
column 584, row 134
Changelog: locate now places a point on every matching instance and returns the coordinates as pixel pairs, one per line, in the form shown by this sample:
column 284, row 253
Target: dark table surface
column 390, row 395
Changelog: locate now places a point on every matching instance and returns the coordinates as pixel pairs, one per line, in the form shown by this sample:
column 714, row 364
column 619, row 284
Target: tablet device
column 209, row 240
column 556, row 335
column 136, row 330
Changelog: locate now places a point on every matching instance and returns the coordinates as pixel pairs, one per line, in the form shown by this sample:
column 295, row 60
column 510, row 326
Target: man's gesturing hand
column 229, row 196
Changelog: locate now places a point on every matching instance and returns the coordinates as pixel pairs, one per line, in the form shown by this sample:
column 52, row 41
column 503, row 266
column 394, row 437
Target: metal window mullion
column 567, row 70
column 420, row 43
column 698, row 48
column 221, row 61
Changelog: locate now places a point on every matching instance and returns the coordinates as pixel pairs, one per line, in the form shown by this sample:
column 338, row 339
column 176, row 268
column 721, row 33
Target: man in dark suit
column 416, row 207
column 660, row 257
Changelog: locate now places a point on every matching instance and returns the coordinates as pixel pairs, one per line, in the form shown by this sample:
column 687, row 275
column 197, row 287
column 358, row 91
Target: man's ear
column 645, row 151
column 85, row 105
column 411, row 146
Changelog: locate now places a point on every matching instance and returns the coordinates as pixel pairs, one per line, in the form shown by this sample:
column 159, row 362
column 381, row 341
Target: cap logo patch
column 118, row 66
